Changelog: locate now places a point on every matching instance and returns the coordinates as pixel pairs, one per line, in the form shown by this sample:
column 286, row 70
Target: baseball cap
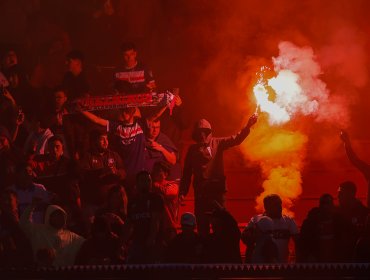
column 188, row 219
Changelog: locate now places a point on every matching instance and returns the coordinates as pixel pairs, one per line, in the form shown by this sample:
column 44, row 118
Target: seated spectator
column 187, row 246
column 169, row 190
column 52, row 235
column 284, row 229
column 26, row 190
column 103, row 247
column 222, row 245
column 15, row 248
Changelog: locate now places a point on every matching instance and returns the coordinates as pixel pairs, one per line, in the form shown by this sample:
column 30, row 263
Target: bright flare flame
column 296, row 89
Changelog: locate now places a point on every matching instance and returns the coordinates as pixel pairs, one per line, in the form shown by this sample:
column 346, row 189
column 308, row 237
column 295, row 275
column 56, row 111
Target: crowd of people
column 104, row 187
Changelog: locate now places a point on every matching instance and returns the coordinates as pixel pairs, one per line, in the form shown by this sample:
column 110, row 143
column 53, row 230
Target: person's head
column 326, row 202
column 117, row 198
column 188, row 222
column 101, row 226
column 10, row 59
column 55, row 146
column 154, row 128
column 346, row 193
column 143, row 182
column 129, row 53
column 41, row 124
column 273, row 206
column 99, row 140
column 4, row 139
column 60, row 97
column 160, row 171
column 8, row 201
column 202, row 132
column 56, row 217
column 74, row 62
column 263, row 226
column 128, row 115
column 24, row 175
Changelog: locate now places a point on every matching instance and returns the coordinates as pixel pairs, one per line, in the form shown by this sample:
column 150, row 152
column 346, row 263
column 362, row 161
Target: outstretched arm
column 94, row 118
column 239, row 138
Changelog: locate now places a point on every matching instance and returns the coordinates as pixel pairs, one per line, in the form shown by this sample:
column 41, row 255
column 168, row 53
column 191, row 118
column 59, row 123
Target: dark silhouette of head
column 273, row 206
column 346, row 193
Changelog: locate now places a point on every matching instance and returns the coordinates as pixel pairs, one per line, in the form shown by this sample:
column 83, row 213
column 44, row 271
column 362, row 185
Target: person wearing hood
column 52, row 236
column 204, row 161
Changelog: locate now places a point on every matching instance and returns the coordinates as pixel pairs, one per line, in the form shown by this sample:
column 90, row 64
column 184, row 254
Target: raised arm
column 95, row 119
column 237, row 139
column 355, row 160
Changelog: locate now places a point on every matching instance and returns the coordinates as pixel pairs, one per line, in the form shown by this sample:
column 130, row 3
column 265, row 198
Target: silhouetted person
column 103, row 247
column 357, row 162
column 187, row 246
column 362, row 249
column 74, row 81
column 222, row 245
column 15, row 248
column 324, row 233
column 354, row 212
column 145, row 215
column 169, row 190
column 204, row 162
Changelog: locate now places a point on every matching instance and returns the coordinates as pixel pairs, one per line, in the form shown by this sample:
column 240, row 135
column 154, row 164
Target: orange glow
column 295, row 90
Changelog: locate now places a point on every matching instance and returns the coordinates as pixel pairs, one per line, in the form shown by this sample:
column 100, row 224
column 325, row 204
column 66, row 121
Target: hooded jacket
column 65, row 243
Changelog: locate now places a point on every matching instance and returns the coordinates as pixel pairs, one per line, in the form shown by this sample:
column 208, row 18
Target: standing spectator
column 187, row 246
column 204, row 160
column 362, row 166
column 75, row 81
column 354, row 213
column 52, row 235
column 169, row 190
column 145, row 215
column 102, row 168
column 15, row 248
column 132, row 77
column 10, row 157
column 38, row 138
column 59, row 175
column 128, row 140
column 284, row 228
column 324, row 233
column 160, row 148
column 222, row 245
